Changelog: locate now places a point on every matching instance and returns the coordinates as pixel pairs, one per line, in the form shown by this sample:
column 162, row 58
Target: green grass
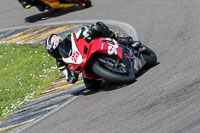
column 25, row 70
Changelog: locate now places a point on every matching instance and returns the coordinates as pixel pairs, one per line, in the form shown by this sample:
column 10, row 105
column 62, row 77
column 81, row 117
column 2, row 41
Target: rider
column 86, row 32
column 28, row 3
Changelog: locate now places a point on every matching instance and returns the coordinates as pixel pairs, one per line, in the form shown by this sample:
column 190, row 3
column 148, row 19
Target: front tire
column 92, row 84
column 107, row 74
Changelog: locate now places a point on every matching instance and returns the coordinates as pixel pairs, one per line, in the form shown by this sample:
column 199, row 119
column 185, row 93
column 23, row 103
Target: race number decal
column 112, row 50
column 75, row 56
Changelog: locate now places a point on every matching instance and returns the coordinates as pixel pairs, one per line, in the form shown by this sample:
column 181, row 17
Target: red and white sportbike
column 105, row 58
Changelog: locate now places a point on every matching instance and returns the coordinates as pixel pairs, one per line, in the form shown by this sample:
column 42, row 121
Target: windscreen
column 65, row 49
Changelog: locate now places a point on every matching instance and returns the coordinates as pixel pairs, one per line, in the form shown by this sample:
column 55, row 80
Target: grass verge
column 25, row 70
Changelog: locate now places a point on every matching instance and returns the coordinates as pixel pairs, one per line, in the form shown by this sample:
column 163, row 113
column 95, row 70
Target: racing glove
column 71, row 77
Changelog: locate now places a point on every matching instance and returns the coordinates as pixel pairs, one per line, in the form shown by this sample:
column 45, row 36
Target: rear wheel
column 149, row 56
column 86, row 3
column 112, row 70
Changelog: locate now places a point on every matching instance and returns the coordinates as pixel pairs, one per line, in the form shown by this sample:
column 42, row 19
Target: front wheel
column 92, row 84
column 115, row 73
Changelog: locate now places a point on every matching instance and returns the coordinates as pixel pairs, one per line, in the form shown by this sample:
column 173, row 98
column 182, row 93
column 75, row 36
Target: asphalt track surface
column 165, row 99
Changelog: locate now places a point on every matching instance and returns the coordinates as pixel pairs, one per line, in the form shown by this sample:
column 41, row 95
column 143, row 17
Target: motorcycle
column 55, row 5
column 105, row 58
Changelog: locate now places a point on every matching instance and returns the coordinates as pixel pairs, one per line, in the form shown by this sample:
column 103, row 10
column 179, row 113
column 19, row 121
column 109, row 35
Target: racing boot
column 100, row 29
column 128, row 41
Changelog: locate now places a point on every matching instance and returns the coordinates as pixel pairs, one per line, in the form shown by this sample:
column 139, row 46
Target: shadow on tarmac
column 52, row 14
column 109, row 86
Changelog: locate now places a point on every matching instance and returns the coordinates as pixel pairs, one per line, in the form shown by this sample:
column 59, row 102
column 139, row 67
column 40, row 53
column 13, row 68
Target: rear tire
column 149, row 56
column 88, row 3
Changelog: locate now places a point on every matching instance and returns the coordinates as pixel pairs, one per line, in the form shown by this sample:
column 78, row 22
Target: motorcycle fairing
column 127, row 59
column 106, row 46
column 121, row 51
column 76, row 57
column 101, row 46
column 57, row 5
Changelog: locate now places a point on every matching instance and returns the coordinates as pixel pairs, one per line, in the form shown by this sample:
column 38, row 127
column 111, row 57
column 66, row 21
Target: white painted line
column 126, row 27
column 48, row 114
